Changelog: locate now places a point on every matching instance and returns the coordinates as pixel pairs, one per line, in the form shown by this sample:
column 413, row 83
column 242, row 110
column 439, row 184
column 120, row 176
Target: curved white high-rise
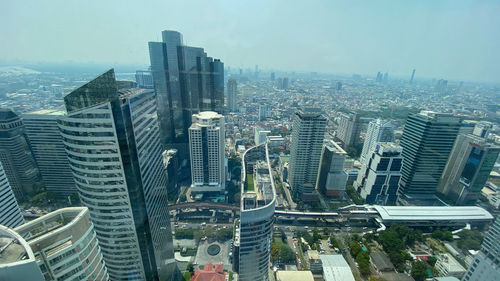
column 257, row 215
column 65, row 245
column 10, row 214
column 112, row 140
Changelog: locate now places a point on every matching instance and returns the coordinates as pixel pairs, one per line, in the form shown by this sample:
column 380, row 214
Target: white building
column 335, row 268
column 257, row 210
column 260, row 135
column 332, row 178
column 206, row 144
column 447, row 265
column 378, row 131
column 275, row 141
column 486, row 264
column 10, row 214
column 65, row 245
column 309, row 127
column 379, row 176
column 48, row 149
column 17, row 261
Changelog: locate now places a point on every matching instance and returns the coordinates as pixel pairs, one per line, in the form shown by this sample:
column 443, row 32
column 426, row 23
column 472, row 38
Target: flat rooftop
column 48, row 112
column 10, row 250
column 420, row 213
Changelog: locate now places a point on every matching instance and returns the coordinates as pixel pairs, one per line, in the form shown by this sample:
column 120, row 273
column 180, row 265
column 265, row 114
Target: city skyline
column 461, row 49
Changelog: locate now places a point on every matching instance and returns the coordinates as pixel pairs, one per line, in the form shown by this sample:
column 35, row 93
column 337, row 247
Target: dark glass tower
column 186, row 81
column 427, row 141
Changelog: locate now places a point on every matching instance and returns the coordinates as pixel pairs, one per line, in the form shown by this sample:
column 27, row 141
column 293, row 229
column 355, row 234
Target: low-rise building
column 209, row 273
column 285, row 275
column 335, row 268
column 447, row 265
column 381, row 262
column 315, row 264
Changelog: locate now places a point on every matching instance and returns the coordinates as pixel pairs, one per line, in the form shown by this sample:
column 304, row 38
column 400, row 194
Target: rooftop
column 417, row 213
column 48, row 112
column 289, row 275
column 13, row 248
column 335, row 268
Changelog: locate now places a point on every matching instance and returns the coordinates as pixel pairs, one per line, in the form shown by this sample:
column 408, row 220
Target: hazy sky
column 441, row 39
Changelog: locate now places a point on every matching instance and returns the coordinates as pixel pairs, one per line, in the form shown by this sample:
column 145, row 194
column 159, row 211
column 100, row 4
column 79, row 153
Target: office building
column 206, row 144
column 10, row 214
column 486, row 264
column 308, row 131
column 467, row 127
column 467, row 169
column 258, row 199
column 186, row 82
column 427, row 141
column 15, row 155
column 482, row 129
column 264, row 112
column 260, row 135
column 349, row 129
column 412, row 76
column 144, row 79
column 171, row 166
column 47, row 146
column 17, row 261
column 332, row 178
column 232, row 91
column 112, row 140
column 65, row 245
column 379, row 176
column 378, row 131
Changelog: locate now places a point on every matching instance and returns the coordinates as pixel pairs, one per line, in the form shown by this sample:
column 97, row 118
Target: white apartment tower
column 307, row 142
column 206, row 144
column 378, row 131
column 10, row 214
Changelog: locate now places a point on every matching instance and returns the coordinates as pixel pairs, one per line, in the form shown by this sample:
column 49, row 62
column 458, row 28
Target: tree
column 316, row 236
column 363, row 261
column 355, row 248
column 286, row 254
column 275, row 252
column 419, row 271
column 432, row 261
column 190, row 267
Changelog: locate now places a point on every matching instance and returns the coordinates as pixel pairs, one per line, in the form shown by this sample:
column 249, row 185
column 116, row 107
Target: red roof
column 208, row 273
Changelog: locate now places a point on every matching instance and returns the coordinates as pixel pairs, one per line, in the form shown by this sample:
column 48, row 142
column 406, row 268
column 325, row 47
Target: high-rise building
column 65, row 245
column 144, row 79
column 378, row 131
column 47, row 146
column 412, row 76
column 10, row 214
column 379, row 176
column 186, row 82
column 15, row 155
column 207, row 149
column 486, row 264
column 112, row 140
column 272, row 76
column 308, row 132
column 254, row 235
column 260, row 135
column 332, row 178
column 349, row 129
column 482, row 129
column 467, row 169
column 467, row 127
column 171, row 166
column 232, row 91
column 17, row 260
column 264, row 111
column 427, row 141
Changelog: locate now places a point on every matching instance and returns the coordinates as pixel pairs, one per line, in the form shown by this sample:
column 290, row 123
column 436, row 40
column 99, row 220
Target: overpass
column 204, row 205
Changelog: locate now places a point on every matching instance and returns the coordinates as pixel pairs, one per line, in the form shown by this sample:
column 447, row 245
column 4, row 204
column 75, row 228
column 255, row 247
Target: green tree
column 275, row 252
column 432, row 261
column 419, row 271
column 286, row 254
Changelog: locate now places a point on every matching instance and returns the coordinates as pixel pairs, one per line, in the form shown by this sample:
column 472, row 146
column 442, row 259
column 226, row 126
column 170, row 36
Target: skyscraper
column 65, row 239
column 307, row 141
column 332, row 178
column 232, row 90
column 486, row 264
column 112, row 140
column 15, row 155
column 144, row 79
column 467, row 169
column 206, row 144
column 379, row 176
column 10, row 214
column 264, row 111
column 349, row 129
column 254, row 235
column 378, row 131
column 186, row 82
column 427, row 141
column 47, row 146
column 412, row 76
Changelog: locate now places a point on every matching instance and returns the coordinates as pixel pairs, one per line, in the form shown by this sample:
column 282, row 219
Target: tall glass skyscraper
column 15, row 155
column 112, row 140
column 10, row 214
column 186, row 82
column 427, row 141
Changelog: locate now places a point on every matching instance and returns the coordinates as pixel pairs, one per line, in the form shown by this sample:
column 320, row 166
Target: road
column 292, row 204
